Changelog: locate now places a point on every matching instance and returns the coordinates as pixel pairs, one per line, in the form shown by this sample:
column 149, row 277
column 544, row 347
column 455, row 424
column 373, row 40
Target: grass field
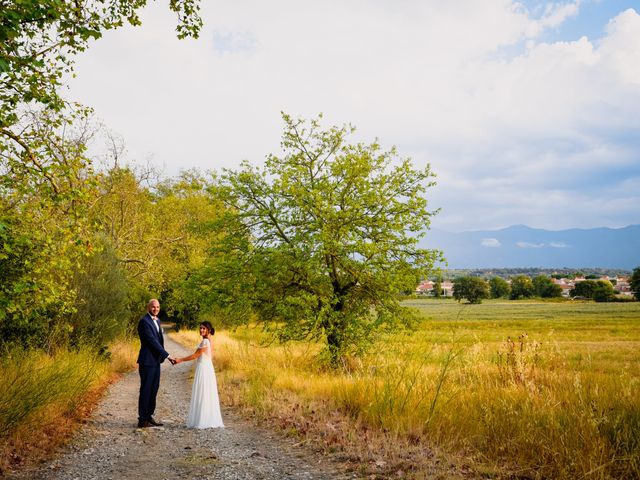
column 503, row 389
column 603, row 336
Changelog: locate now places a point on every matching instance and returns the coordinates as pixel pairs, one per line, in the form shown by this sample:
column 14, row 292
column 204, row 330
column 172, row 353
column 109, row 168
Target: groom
column 152, row 354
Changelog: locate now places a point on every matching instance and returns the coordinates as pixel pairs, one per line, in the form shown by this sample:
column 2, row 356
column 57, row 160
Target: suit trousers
column 149, row 384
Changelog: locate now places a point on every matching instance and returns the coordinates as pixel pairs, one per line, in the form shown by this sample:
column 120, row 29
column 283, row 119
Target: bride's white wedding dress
column 204, row 410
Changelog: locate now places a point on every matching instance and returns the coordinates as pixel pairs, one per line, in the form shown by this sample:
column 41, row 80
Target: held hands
column 174, row 360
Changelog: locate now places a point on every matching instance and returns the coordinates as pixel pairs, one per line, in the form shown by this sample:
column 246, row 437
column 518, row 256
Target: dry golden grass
column 465, row 395
column 43, row 398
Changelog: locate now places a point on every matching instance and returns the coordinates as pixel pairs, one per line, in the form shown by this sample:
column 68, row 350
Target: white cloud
column 490, row 242
column 529, row 245
column 620, row 49
column 558, row 245
column 528, row 139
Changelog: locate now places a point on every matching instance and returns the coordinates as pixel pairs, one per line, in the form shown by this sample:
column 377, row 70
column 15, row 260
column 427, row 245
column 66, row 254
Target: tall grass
column 561, row 401
column 43, row 395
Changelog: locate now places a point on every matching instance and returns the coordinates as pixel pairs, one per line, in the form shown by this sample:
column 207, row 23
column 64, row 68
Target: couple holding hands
column 204, row 409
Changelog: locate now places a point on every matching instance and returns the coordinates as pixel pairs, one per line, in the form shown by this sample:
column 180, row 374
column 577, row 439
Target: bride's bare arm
column 193, row 356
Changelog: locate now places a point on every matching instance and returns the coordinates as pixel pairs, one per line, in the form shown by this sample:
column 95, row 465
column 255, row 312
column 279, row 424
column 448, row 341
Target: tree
column 43, row 205
column 474, row 289
column 603, row 291
column 634, row 282
column 521, row 287
column 437, row 287
column 583, row 289
column 39, row 40
column 545, row 288
column 45, row 176
column 499, row 287
column 322, row 240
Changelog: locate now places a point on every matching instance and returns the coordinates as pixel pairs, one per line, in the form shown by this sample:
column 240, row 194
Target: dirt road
column 110, row 447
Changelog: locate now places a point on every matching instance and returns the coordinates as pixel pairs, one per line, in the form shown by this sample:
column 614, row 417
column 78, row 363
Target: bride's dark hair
column 209, row 327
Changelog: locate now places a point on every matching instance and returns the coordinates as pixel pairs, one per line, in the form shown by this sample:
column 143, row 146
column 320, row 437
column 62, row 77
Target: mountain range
column 521, row 246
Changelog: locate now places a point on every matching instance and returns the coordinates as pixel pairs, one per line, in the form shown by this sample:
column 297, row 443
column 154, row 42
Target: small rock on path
column 110, row 447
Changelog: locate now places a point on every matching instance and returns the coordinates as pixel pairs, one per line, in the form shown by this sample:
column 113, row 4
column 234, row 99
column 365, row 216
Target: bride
column 204, row 410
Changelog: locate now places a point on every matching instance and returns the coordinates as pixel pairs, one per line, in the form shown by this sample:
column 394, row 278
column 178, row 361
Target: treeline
column 475, row 289
column 487, row 273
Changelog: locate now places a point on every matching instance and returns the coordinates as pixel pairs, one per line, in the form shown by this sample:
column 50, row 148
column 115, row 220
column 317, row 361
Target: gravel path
column 110, row 447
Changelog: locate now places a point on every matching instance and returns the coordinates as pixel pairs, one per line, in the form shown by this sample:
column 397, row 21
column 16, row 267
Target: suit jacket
column 152, row 350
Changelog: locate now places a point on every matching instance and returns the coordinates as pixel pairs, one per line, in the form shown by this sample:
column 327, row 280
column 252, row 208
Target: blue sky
column 526, row 111
column 590, row 20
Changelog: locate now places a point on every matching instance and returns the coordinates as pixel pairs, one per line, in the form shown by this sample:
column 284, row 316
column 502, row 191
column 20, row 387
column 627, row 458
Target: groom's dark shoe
column 154, row 423
column 144, row 424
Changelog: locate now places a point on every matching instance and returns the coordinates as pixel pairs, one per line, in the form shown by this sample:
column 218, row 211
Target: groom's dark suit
column 152, row 354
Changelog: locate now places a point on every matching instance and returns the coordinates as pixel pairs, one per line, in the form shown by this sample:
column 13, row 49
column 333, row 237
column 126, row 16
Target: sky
column 528, row 112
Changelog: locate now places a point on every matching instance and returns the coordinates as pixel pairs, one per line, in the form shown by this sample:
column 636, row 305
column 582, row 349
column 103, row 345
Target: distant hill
column 521, row 246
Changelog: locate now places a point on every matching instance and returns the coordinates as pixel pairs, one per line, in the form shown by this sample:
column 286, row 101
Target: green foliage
column 603, row 291
column 322, row 241
column 499, row 287
column 44, row 198
column 19, row 304
column 584, row 289
column 474, row 289
column 46, row 180
column 545, row 288
column 102, row 302
column 634, row 283
column 188, row 207
column 521, row 287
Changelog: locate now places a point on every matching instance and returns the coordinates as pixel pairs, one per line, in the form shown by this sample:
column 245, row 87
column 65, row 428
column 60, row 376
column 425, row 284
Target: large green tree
column 474, row 289
column 499, row 287
column 584, row 289
column 603, row 291
column 521, row 287
column 44, row 209
column 322, row 240
column 545, row 288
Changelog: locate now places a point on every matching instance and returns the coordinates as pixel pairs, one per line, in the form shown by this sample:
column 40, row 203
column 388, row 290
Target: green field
column 606, row 336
